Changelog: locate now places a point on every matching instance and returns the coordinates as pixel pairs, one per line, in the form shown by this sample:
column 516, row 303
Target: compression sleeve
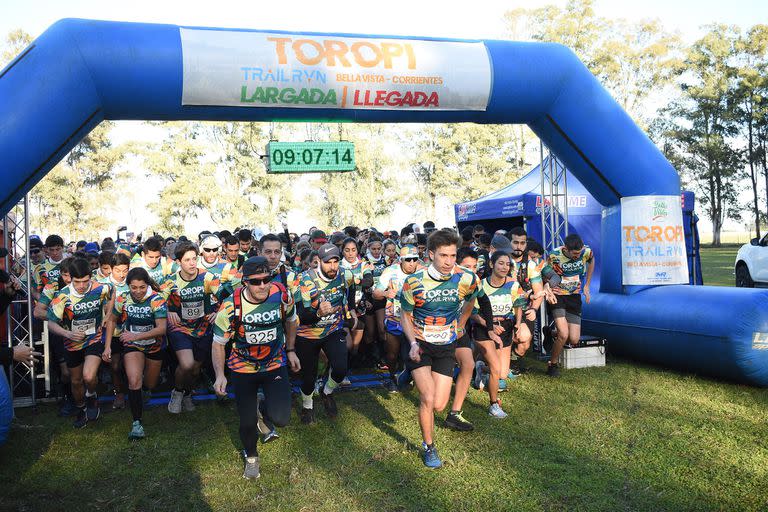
column 486, row 312
column 307, row 315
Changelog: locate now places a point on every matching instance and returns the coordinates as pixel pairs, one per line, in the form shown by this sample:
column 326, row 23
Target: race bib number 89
column 192, row 310
column 261, row 337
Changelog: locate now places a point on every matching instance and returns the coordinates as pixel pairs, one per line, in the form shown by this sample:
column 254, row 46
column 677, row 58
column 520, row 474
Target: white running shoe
column 174, row 405
column 187, row 404
column 496, row 411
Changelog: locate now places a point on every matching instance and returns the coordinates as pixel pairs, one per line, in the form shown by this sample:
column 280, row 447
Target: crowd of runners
column 440, row 309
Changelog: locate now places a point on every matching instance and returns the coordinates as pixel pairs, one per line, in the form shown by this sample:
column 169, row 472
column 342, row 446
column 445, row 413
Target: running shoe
column 456, row 421
column 430, row 457
column 346, row 381
column 496, row 411
column 391, row 385
column 330, row 404
column 502, row 386
column 82, row 418
column 92, row 408
column 174, row 404
column 137, row 431
column 512, row 374
column 67, row 408
column 251, row 469
column 479, row 371
column 553, row 370
column 187, row 404
column 307, row 415
column 403, row 378
column 270, row 436
column 119, row 402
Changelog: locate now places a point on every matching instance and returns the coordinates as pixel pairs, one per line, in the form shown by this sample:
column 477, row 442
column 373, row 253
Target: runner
column 117, row 269
column 191, row 293
column 260, row 320
column 138, row 320
column 101, row 274
column 244, row 239
column 317, row 238
column 431, row 316
column 324, row 299
column 81, row 307
column 502, row 291
column 571, row 262
column 375, row 333
column 149, row 260
column 363, row 275
column 48, row 271
column 390, row 287
column 390, row 252
column 56, row 342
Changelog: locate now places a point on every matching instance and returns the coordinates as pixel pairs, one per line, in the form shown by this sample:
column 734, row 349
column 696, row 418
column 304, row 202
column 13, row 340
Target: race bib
column 358, row 296
column 396, row 309
column 569, row 283
column 437, row 334
column 86, row 326
column 261, row 337
column 140, row 328
column 501, row 304
column 192, row 310
column 326, row 320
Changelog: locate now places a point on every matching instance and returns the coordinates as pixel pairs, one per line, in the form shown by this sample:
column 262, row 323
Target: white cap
column 210, row 242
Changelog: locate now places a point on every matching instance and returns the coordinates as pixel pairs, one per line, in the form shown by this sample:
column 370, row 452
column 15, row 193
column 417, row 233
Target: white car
column 752, row 263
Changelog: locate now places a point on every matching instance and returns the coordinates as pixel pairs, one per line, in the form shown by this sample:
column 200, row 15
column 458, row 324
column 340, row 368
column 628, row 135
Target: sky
column 446, row 18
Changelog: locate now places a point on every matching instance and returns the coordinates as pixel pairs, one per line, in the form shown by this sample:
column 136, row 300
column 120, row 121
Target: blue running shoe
column 512, row 374
column 403, row 378
column 502, row 385
column 430, row 457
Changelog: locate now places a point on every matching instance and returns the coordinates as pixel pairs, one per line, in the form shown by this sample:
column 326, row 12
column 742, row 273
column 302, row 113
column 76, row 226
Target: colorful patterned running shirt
column 436, row 303
column 191, row 300
column 570, row 271
column 359, row 270
column 46, row 273
column 81, row 313
column 312, row 290
column 157, row 274
column 395, row 277
column 504, row 299
column 258, row 336
column 139, row 316
column 376, row 266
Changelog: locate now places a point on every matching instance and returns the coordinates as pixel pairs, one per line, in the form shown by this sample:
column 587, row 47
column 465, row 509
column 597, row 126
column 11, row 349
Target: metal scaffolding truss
column 554, row 201
column 19, row 315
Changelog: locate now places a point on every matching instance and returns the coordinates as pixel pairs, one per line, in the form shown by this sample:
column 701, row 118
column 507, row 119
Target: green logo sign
column 301, row 157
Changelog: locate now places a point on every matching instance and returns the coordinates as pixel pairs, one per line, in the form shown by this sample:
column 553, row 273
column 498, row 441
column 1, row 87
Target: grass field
column 622, row 437
column 717, row 265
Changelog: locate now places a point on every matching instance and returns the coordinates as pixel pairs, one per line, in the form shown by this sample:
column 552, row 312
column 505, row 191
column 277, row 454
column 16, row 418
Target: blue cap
column 91, row 247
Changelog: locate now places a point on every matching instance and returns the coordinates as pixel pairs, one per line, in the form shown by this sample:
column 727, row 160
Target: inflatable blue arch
column 80, row 72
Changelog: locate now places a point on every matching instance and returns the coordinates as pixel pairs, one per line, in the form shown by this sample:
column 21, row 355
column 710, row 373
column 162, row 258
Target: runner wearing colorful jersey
column 77, row 313
column 149, row 260
column 390, row 287
column 101, row 274
column 375, row 333
column 48, row 271
column 502, row 291
column 272, row 250
column 210, row 261
column 363, row 275
column 324, row 299
column 190, row 313
column 260, row 320
column 432, row 314
column 113, row 352
column 56, row 342
column 138, row 322
column 390, row 252
column 571, row 262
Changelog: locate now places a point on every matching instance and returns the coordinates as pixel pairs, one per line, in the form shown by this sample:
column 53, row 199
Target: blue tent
column 520, row 203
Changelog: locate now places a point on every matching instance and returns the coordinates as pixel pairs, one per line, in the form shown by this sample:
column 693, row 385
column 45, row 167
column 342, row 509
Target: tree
column 632, row 60
column 15, row 42
column 749, row 92
column 698, row 132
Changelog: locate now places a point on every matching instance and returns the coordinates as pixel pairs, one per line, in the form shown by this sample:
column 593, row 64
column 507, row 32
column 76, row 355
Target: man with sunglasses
column 210, row 261
column 390, row 287
column 191, row 299
column 325, row 298
column 260, row 320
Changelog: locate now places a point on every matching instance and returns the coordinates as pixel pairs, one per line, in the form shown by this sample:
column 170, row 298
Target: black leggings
column 308, row 351
column 276, row 407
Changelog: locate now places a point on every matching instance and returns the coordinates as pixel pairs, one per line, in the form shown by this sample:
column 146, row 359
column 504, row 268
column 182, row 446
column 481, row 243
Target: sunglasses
column 258, row 281
column 34, row 251
column 412, row 258
column 210, row 250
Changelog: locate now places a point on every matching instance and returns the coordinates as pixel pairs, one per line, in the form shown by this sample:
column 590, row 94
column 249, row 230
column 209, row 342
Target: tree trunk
column 753, row 178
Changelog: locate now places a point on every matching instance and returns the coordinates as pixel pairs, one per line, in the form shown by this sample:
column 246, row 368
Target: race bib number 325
column 261, row 337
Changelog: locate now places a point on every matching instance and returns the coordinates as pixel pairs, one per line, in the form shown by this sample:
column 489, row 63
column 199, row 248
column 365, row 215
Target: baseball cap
column 91, row 247
column 328, row 252
column 501, row 243
column 409, row 252
column 318, row 235
column 35, row 241
column 255, row 265
column 210, row 242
